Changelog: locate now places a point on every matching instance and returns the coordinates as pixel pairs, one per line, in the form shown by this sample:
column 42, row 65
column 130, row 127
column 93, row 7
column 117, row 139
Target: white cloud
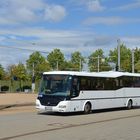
column 95, row 6
column 131, row 41
column 110, row 20
column 55, row 12
column 21, row 11
column 91, row 5
column 103, row 20
column 17, row 11
column 2, row 38
column 29, row 4
column 47, row 40
column 12, row 56
column 101, row 41
column 44, row 37
column 135, row 4
column 25, row 15
column 67, row 41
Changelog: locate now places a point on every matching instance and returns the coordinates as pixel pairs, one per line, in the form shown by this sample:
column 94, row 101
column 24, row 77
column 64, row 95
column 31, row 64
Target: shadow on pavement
column 82, row 113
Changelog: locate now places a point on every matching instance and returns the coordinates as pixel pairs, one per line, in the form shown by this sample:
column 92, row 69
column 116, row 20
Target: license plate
column 48, row 108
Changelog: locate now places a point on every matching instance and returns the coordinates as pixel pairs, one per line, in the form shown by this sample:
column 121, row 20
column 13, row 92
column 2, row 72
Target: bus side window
column 99, row 85
column 75, row 87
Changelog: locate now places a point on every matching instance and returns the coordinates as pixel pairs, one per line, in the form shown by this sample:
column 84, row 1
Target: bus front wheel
column 87, row 108
column 130, row 104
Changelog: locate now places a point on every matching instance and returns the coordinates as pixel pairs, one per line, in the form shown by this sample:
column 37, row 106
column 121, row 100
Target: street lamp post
column 118, row 47
column 133, row 66
column 33, row 80
column 98, row 62
column 80, row 65
column 57, row 66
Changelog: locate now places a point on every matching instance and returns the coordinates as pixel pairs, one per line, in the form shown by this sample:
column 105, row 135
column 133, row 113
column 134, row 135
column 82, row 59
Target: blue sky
column 70, row 25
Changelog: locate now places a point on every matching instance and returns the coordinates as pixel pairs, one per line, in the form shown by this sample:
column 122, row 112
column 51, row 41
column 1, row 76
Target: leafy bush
column 4, row 88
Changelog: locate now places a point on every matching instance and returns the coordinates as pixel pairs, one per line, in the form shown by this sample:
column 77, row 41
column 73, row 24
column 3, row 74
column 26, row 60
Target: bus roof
column 109, row 74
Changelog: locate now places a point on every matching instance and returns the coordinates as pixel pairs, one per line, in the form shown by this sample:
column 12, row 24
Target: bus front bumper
column 58, row 108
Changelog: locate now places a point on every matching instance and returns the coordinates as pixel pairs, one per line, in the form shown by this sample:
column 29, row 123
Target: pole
column 57, row 66
column 118, row 47
column 0, row 85
column 98, row 63
column 133, row 61
column 33, row 80
column 80, row 65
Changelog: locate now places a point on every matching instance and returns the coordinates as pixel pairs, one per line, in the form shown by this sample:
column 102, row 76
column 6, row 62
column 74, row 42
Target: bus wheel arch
column 129, row 104
column 87, row 107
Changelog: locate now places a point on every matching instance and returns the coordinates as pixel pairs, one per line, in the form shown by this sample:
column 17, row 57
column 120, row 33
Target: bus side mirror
column 117, row 67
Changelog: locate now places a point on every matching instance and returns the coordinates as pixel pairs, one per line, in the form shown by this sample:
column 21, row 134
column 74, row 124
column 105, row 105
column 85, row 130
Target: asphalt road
column 100, row 125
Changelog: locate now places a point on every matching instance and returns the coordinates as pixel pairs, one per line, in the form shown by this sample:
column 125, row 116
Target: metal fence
column 17, row 86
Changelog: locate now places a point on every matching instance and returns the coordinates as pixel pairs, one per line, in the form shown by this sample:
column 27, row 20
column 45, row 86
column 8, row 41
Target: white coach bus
column 67, row 91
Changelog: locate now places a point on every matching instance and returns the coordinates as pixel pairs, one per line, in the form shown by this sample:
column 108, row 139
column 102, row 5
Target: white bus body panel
column 134, row 94
column 63, row 106
column 101, row 99
column 98, row 99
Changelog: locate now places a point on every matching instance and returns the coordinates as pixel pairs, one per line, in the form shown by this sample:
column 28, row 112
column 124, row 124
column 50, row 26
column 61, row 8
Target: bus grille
column 50, row 100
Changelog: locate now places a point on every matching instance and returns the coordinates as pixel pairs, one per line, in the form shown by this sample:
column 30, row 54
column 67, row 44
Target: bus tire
column 129, row 104
column 87, row 108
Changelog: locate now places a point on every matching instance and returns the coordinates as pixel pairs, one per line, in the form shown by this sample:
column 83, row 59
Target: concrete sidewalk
column 16, row 99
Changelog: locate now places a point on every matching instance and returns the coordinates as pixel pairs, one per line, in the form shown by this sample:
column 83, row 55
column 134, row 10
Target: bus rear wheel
column 87, row 108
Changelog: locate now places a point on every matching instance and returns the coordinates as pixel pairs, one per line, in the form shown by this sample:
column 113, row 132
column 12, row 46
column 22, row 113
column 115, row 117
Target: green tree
column 69, row 66
column 19, row 73
column 77, row 61
column 37, row 64
column 125, row 57
column 137, row 59
column 2, row 75
column 2, row 72
column 56, row 60
column 96, row 56
column 10, row 76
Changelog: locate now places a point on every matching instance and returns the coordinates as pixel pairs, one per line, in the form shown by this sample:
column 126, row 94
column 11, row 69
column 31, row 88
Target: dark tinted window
column 75, row 87
column 101, row 83
column 129, row 81
column 136, row 82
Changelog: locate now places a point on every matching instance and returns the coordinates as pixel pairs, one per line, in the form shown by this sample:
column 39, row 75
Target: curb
column 2, row 107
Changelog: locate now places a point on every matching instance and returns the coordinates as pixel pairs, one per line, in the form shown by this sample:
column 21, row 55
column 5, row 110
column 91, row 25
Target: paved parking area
column 102, row 125
column 7, row 99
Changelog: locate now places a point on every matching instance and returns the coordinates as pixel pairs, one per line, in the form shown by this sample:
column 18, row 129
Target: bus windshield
column 57, row 85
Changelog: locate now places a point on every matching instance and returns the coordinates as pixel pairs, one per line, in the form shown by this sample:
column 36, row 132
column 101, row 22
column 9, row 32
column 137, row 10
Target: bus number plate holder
column 48, row 108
